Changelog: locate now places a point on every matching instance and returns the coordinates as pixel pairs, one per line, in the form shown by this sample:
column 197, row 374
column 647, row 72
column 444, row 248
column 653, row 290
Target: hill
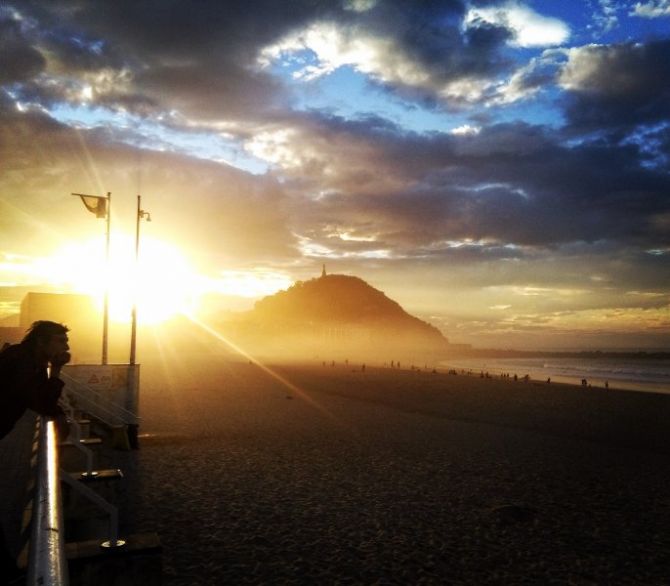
column 339, row 316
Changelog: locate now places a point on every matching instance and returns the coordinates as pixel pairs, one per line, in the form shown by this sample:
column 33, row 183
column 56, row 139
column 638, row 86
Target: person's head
column 48, row 339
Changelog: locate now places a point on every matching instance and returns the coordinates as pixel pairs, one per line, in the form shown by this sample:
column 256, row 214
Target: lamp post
column 133, row 331
column 102, row 208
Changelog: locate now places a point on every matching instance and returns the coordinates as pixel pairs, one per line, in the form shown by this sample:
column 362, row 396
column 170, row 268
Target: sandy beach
column 397, row 477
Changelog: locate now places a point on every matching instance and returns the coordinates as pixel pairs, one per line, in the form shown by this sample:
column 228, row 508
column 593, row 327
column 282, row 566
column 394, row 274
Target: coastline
column 646, row 375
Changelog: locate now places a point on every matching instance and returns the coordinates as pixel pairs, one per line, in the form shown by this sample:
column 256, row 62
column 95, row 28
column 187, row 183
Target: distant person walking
column 25, row 384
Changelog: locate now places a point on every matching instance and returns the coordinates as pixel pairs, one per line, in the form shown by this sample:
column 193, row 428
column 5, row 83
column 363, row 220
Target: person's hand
column 60, row 359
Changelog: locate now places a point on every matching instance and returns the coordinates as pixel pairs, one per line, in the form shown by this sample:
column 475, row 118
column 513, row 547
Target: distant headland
column 339, row 316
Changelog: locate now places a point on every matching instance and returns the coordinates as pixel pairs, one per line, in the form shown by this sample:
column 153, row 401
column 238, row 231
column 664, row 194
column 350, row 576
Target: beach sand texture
column 397, row 477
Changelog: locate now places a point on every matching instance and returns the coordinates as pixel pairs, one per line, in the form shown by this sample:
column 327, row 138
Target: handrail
column 47, row 564
column 96, row 401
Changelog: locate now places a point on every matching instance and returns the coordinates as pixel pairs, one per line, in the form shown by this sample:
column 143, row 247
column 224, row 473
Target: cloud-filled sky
column 498, row 168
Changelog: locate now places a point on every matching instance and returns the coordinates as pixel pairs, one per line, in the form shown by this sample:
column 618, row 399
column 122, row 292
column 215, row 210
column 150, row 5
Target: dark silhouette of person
column 25, row 384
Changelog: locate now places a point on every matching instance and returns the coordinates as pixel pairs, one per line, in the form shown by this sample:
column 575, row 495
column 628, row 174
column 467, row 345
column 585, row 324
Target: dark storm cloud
column 203, row 59
column 510, row 184
column 617, row 86
column 171, row 54
column 431, row 34
column 19, row 61
column 204, row 96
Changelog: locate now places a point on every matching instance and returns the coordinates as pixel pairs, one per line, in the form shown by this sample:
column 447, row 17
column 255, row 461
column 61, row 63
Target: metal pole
column 133, row 328
column 105, row 319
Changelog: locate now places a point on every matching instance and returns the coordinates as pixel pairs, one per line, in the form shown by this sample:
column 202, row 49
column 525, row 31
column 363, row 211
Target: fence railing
column 97, row 404
column 47, row 564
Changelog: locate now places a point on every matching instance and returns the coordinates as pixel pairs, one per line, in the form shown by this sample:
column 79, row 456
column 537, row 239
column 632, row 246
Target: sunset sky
column 501, row 169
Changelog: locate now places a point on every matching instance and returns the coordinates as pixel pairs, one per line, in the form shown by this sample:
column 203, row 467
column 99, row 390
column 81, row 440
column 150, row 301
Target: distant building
column 9, row 335
column 60, row 307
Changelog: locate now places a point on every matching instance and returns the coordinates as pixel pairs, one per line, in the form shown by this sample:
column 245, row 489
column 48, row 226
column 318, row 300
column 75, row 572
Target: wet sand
column 397, row 477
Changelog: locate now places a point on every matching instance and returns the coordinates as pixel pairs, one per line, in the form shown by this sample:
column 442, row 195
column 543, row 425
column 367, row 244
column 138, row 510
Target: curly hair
column 43, row 330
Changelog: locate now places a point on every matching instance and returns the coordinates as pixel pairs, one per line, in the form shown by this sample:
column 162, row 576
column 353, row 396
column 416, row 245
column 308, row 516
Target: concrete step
column 84, row 427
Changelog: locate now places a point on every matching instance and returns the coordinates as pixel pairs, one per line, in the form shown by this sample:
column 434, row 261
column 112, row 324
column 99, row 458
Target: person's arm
column 44, row 392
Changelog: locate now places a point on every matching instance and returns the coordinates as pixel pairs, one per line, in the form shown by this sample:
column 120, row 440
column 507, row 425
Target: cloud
column 617, row 86
column 201, row 62
column 507, row 187
column 19, row 60
column 652, row 9
column 606, row 18
column 422, row 58
column 204, row 64
column 529, row 29
column 232, row 218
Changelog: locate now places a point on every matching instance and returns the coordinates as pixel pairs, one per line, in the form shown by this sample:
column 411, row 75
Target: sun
column 161, row 283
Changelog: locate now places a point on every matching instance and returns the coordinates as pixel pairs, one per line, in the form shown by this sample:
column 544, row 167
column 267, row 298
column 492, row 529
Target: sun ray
column 90, row 167
column 275, row 375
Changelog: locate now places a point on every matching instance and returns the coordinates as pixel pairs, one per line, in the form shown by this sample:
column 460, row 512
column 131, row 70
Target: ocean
column 632, row 374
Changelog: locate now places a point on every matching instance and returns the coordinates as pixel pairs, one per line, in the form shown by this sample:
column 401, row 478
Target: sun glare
column 161, row 282
column 251, row 283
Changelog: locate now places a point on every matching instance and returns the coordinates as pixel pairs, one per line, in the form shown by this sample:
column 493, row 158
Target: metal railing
column 97, row 404
column 47, row 564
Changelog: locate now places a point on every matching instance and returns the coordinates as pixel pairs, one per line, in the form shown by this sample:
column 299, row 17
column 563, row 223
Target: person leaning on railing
column 25, row 384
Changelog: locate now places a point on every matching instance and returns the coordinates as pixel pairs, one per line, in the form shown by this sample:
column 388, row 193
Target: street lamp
column 101, row 206
column 141, row 214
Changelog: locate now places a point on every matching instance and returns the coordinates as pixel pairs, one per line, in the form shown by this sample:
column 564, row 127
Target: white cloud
column 466, row 130
column 583, row 64
column 652, row 9
column 530, row 28
column 606, row 20
column 336, row 46
column 359, row 5
column 466, row 89
column 324, row 47
column 275, row 146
